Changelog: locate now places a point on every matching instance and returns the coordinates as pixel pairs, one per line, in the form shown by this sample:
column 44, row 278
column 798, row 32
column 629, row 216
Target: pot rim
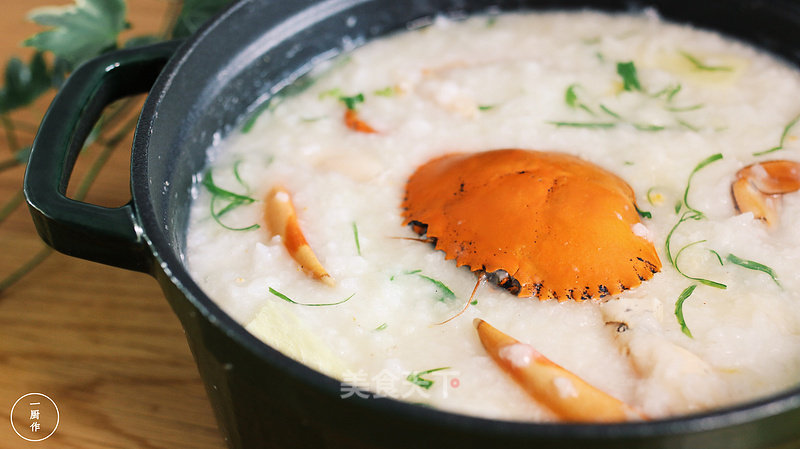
column 175, row 271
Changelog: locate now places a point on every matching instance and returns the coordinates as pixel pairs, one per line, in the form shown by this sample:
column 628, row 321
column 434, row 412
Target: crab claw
column 758, row 187
column 282, row 220
column 567, row 395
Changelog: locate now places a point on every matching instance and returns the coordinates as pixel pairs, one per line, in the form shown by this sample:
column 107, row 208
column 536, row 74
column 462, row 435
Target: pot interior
column 257, row 48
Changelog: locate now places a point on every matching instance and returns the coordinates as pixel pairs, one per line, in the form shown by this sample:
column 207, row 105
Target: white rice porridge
column 549, row 81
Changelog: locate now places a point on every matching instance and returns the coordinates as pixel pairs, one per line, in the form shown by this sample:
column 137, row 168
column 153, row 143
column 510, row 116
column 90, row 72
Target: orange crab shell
column 540, row 223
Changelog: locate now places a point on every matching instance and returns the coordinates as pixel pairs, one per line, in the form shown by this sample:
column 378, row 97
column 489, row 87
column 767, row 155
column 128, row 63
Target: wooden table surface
column 100, row 341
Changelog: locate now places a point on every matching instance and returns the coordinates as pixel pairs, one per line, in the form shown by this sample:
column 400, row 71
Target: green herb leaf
column 685, row 108
column 699, row 65
column 388, row 91
column 583, row 124
column 610, row 112
column 444, row 291
column 668, row 92
column 671, row 93
column 687, row 215
column 719, row 258
column 234, row 199
column 237, row 176
column 335, row 93
column 287, row 299
column 627, row 70
column 194, row 14
column 679, row 309
column 208, row 182
column 253, row 117
column 487, row 107
column 571, row 98
column 753, row 265
column 24, row 83
column 355, row 236
column 688, row 126
column 700, row 166
column 406, row 272
column 418, row 380
column 785, row 133
column 217, row 214
column 703, row 281
column 382, row 327
column 643, row 127
column 80, row 31
column 352, row 102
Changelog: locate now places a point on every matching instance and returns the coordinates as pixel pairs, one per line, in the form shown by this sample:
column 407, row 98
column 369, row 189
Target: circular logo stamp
column 34, row 417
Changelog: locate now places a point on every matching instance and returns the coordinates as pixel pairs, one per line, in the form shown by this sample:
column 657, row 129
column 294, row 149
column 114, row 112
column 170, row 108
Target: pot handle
column 107, row 235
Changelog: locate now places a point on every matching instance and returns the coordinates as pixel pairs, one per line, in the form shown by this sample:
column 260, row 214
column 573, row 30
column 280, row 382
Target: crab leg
column 566, row 394
column 758, row 186
column 281, row 220
column 354, row 122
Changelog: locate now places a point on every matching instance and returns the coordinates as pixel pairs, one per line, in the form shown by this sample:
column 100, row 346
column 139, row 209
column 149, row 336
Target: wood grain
column 102, row 342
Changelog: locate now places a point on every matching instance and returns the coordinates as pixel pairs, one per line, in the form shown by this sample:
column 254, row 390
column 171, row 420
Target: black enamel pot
column 204, row 87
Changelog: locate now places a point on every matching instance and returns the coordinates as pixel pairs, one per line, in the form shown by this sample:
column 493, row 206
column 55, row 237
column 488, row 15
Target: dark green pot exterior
column 205, row 86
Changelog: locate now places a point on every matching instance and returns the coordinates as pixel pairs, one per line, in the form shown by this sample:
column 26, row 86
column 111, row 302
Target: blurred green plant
column 73, row 34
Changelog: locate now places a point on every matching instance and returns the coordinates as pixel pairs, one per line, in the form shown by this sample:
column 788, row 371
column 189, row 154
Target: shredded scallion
column 610, row 112
column 355, row 236
column 445, row 293
column 251, row 120
column 753, row 265
column 234, row 199
column 700, row 65
column 571, row 98
column 700, row 166
column 287, row 299
column 719, row 258
column 387, row 91
column 703, row 281
column 583, row 124
column 644, row 127
column 785, row 133
column 418, row 380
column 687, row 292
column 685, row 108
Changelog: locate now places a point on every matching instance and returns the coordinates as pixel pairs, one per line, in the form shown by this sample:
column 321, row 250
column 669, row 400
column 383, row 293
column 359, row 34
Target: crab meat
column 758, row 187
column 282, row 221
column 638, row 332
column 564, row 393
column 542, row 224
